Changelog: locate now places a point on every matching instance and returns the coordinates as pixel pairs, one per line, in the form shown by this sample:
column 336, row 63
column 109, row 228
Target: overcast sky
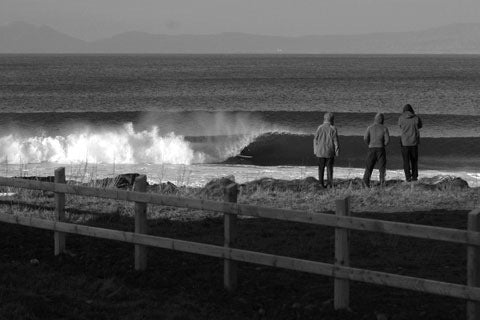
column 93, row 19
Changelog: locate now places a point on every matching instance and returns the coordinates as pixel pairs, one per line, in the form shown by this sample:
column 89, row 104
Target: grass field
column 96, row 280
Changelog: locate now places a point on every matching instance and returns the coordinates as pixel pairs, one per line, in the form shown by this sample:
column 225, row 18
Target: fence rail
column 342, row 222
column 346, row 222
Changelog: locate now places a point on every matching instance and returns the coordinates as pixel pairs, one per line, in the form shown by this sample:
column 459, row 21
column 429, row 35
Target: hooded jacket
column 325, row 142
column 410, row 124
column 377, row 135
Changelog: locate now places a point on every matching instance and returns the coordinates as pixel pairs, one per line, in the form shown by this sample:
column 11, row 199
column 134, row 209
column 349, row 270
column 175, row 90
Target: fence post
column 230, row 233
column 59, row 237
column 342, row 257
column 141, row 225
column 473, row 265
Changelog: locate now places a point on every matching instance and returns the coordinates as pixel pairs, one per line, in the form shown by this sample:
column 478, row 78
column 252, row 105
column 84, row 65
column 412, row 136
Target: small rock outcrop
column 37, row 178
column 216, row 187
column 122, row 181
column 270, row 184
column 164, row 187
column 443, row 183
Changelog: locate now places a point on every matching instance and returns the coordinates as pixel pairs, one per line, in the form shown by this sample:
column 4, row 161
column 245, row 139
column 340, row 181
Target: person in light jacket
column 326, row 148
column 377, row 138
column 410, row 124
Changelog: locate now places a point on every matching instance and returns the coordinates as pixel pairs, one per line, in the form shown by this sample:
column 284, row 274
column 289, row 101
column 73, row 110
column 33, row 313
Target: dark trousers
column 410, row 162
column 322, row 163
column 375, row 155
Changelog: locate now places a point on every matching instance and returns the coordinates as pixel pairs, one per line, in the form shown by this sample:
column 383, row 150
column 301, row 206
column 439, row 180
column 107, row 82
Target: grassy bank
column 302, row 194
column 96, row 279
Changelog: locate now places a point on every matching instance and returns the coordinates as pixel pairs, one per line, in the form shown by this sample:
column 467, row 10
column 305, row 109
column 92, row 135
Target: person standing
column 410, row 124
column 377, row 138
column 326, row 148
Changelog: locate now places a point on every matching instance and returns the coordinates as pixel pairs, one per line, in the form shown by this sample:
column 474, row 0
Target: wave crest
column 120, row 145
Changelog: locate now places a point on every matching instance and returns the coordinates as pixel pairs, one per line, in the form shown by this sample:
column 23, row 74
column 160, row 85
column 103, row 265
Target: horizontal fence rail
column 346, row 222
column 326, row 269
column 341, row 221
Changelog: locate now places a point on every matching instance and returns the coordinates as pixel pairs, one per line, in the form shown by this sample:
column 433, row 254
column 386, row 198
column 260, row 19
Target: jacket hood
column 379, row 118
column 408, row 107
column 328, row 118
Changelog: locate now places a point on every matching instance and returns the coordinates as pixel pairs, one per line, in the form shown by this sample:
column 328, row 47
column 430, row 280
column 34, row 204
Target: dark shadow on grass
column 97, row 279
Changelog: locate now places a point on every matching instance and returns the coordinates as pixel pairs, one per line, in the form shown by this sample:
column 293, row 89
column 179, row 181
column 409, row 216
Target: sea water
column 191, row 118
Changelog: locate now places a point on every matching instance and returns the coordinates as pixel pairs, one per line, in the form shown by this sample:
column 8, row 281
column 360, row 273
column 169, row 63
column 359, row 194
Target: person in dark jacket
column 326, row 148
column 377, row 138
column 410, row 124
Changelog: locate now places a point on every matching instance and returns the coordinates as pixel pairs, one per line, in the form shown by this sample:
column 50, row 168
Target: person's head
column 408, row 107
column 379, row 118
column 328, row 117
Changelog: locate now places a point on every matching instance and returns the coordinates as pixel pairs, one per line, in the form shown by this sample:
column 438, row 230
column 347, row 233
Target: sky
column 95, row 19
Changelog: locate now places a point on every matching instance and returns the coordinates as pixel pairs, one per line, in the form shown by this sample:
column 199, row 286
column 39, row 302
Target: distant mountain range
column 21, row 37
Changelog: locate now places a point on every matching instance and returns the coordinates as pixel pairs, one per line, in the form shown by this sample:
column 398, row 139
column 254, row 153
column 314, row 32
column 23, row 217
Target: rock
column 310, row 184
column 357, row 183
column 122, row 181
column 34, row 262
column 126, row 180
column 166, row 187
column 37, row 178
column 169, row 187
column 215, row 187
column 443, row 183
column 270, row 184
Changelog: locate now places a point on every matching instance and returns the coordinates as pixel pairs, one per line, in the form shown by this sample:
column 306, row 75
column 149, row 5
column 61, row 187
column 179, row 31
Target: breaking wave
column 275, row 149
column 257, row 146
column 121, row 145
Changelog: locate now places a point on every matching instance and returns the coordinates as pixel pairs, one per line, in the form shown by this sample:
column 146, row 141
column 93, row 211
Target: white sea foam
column 121, row 145
column 216, row 140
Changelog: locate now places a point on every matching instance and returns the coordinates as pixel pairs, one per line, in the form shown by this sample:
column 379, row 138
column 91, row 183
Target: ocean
column 191, row 118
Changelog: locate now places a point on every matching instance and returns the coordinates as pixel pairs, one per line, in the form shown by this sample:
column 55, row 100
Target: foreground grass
column 404, row 198
column 96, row 280
column 400, row 197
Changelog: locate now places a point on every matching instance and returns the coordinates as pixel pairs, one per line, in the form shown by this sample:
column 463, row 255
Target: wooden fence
column 341, row 221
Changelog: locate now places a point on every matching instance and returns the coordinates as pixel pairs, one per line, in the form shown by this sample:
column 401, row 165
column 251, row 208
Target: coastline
column 197, row 175
column 438, row 192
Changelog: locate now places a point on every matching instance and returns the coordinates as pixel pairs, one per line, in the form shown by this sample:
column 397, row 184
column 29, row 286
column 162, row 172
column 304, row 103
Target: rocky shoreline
column 309, row 184
column 439, row 192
